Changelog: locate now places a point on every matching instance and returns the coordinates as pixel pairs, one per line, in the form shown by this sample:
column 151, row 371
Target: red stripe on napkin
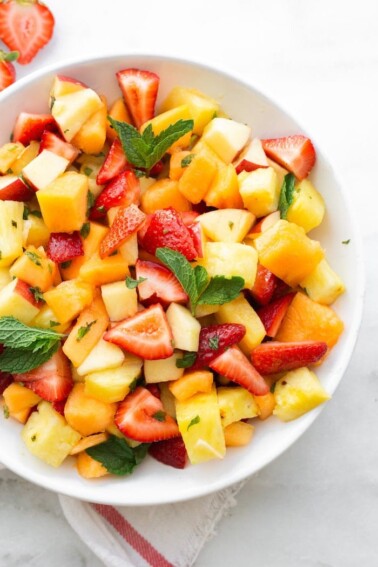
column 132, row 536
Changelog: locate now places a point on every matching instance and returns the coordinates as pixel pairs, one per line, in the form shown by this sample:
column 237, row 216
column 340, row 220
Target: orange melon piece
column 162, row 194
column 192, row 383
column 197, row 178
column 88, row 467
column 266, row 405
column 176, row 167
column 19, row 401
column 85, row 414
column 91, row 243
column 238, row 434
column 99, row 271
column 69, row 299
column 306, row 320
column 92, row 135
column 118, row 111
column 90, row 441
column 34, row 268
column 224, row 190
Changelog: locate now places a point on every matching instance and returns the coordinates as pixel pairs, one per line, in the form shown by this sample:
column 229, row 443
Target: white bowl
column 152, row 482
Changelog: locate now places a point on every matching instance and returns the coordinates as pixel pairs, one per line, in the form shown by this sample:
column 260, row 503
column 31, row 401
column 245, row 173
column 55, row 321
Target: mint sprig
column 117, row 456
column 286, row 194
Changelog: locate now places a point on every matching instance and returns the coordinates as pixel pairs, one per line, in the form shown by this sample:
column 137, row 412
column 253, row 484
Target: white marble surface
column 317, row 505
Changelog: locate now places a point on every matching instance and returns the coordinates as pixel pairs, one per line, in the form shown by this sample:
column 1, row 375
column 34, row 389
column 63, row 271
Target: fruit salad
column 160, row 290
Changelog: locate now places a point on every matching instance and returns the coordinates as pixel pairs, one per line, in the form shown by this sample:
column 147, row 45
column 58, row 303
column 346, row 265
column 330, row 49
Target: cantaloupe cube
column 266, row 405
column 27, row 155
column 201, row 148
column 240, row 311
column 224, row 189
column 202, row 108
column 226, row 137
column 44, row 169
column 113, row 385
column 90, row 441
column 120, row 301
column 236, row 404
column 86, row 414
column 91, row 243
column 260, row 191
column 285, row 250
column 103, row 356
column 165, row 119
column 46, row 319
column 34, row 268
column 226, row 225
column 69, row 299
column 99, row 271
column 88, row 467
column 307, row 208
column 19, row 401
column 185, row 328
column 92, row 135
column 118, row 111
column 163, row 370
column 162, row 194
column 9, row 153
column 323, row 285
column 178, row 163
column 230, row 259
column 64, row 202
column 11, row 231
column 238, row 434
column 38, row 233
column 197, row 178
column 195, row 382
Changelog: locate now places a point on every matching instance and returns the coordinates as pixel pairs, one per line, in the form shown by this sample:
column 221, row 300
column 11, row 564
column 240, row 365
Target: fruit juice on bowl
column 243, row 105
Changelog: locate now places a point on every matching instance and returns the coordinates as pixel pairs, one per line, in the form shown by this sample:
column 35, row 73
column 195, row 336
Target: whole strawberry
column 7, row 70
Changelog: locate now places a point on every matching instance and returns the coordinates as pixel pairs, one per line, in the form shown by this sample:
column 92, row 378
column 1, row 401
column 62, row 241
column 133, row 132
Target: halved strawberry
column 63, row 247
column 7, row 70
column 296, row 153
column 52, row 381
column 167, row 229
column 147, row 334
column 214, row 340
column 139, row 89
column 5, row 380
column 235, row 366
column 53, row 143
column 246, row 165
column 59, row 406
column 30, row 127
column 141, row 416
column 114, row 163
column 25, row 26
column 126, row 222
column 171, row 452
column 123, row 190
column 154, row 389
column 264, row 286
column 272, row 314
column 159, row 285
column 273, row 357
column 12, row 188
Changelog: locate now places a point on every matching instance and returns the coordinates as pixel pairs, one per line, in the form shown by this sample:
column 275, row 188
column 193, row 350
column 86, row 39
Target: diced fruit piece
column 141, row 416
column 11, row 231
column 9, row 153
column 147, row 334
column 163, row 370
column 236, row 404
column 34, row 268
column 69, row 298
column 72, row 110
column 178, row 163
column 38, row 233
column 86, row 414
column 63, row 247
column 306, row 320
column 117, row 111
column 122, row 190
column 53, row 143
column 323, row 285
column 16, row 300
column 99, row 271
column 275, row 357
column 226, row 137
column 308, row 208
column 46, row 319
column 260, row 191
column 114, row 163
column 5, row 277
column 287, row 252
column 103, row 356
column 200, row 425
column 64, row 202
column 120, row 301
column 296, row 153
column 89, row 441
column 126, row 222
column 272, row 314
column 167, row 399
column 230, row 259
column 200, row 381
column 235, row 366
column 266, row 405
column 20, row 401
column 171, row 452
column 162, row 194
column 197, row 178
column 252, row 157
column 48, row 436
column 29, row 153
column 224, row 189
column 92, row 134
column 159, row 284
column 165, row 120
column 63, row 85
column 12, row 188
column 30, row 127
column 238, row 434
column 96, row 233
column 226, row 225
column 185, row 328
column 263, row 225
column 214, row 340
column 264, row 286
column 139, row 89
column 113, row 385
column 298, row 392
column 202, row 108
column 44, row 169
column 88, row 467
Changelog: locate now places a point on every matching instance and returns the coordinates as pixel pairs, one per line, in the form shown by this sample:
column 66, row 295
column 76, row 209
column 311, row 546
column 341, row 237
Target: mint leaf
column 85, row 230
column 132, row 284
column 182, row 269
column 194, row 421
column 84, row 330
column 38, row 294
column 214, row 342
column 160, row 416
column 221, row 290
column 187, row 360
column 187, row 160
column 33, row 256
column 202, row 279
column 286, row 194
column 167, row 137
column 127, row 133
column 14, row 334
column 18, row 361
column 116, row 455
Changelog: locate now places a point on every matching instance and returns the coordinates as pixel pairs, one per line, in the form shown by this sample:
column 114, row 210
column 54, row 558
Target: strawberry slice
column 264, row 286
column 146, row 334
column 159, row 285
column 139, row 89
column 236, row 367
column 273, row 357
column 114, row 163
column 52, row 381
column 123, row 190
column 53, row 143
column 170, row 452
column 12, row 188
column 63, row 247
column 59, row 406
column 296, row 153
column 167, row 229
column 30, row 127
column 25, row 26
column 141, row 416
column 214, row 340
column 7, row 70
column 126, row 222
column 272, row 314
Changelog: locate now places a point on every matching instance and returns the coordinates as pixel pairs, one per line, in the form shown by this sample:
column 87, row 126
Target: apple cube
column 323, row 285
column 238, row 434
column 185, row 328
column 253, row 153
column 72, row 110
column 236, row 404
column 17, row 300
column 9, row 153
column 63, row 85
column 103, row 356
column 263, row 225
column 260, row 191
column 12, row 188
column 68, row 299
column 199, row 381
column 86, row 414
column 307, row 208
column 226, row 137
column 120, row 301
column 230, row 259
column 202, row 108
column 27, row 155
column 163, row 370
column 226, row 225
column 113, row 385
column 44, row 169
column 11, row 231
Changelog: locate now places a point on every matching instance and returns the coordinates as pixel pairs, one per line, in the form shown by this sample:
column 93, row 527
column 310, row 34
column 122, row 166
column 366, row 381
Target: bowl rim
column 356, row 316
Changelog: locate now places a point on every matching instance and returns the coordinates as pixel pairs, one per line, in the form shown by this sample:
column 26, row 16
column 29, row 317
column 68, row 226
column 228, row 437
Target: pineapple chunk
column 197, row 177
column 254, row 153
column 16, row 300
column 226, row 225
column 224, row 189
column 9, row 153
column 165, row 119
column 44, row 169
column 230, row 259
column 28, row 154
column 200, row 425
column 46, row 319
column 308, row 208
column 11, row 231
column 202, row 108
column 185, row 328
column 280, row 171
column 226, row 137
column 162, row 194
column 238, row 434
column 103, row 356
column 48, row 436
column 297, row 393
column 38, row 233
column 113, row 385
column 5, row 277
column 163, row 370
column 236, row 404
column 323, row 285
column 34, row 268
column 92, row 135
column 260, row 191
column 192, row 383
column 99, row 271
column 68, row 299
column 86, row 414
column 120, row 301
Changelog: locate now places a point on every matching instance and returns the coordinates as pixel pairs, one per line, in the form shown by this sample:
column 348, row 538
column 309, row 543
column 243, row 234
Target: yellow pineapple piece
column 226, row 225
column 5, row 277
column 202, row 108
column 17, row 300
column 226, row 137
column 240, row 311
column 99, row 271
column 178, row 163
column 27, row 155
column 164, row 120
column 162, row 194
column 323, row 285
column 260, row 191
column 266, row 405
column 230, row 259
column 46, row 319
column 201, row 148
column 11, row 231
column 48, row 436
column 297, row 393
column 20, row 401
column 86, row 414
column 90, row 441
column 64, row 202
column 91, row 243
column 34, row 268
column 285, row 250
column 236, row 404
column 88, row 467
column 113, row 385
column 224, row 189
column 68, row 299
column 192, row 383
column 197, row 177
column 238, row 434
column 280, row 171
column 308, row 208
column 38, row 233
column 118, row 111
column 92, row 135
column 9, row 153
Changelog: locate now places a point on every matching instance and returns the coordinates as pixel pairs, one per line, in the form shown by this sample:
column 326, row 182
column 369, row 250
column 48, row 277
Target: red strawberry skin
column 264, row 286
column 296, row 153
column 272, row 314
column 53, row 143
column 5, row 380
column 63, row 247
column 139, row 89
column 126, row 222
column 17, row 190
column 170, row 452
column 167, row 229
column 114, row 163
column 7, row 72
column 214, row 340
column 273, row 357
column 30, row 127
column 123, row 190
column 159, row 285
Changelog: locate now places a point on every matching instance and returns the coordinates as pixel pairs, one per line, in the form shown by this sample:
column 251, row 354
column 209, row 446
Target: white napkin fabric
column 157, row 536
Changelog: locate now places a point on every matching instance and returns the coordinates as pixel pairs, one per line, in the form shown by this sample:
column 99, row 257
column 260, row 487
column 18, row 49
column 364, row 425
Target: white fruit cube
column 226, row 225
column 226, row 137
column 129, row 250
column 113, row 385
column 103, row 356
column 185, row 328
column 163, row 370
column 280, row 171
column 44, row 169
column 259, row 190
column 308, row 206
column 11, row 231
column 72, row 110
column 323, row 285
column 120, row 301
column 230, row 259
column 254, row 153
column 17, row 300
